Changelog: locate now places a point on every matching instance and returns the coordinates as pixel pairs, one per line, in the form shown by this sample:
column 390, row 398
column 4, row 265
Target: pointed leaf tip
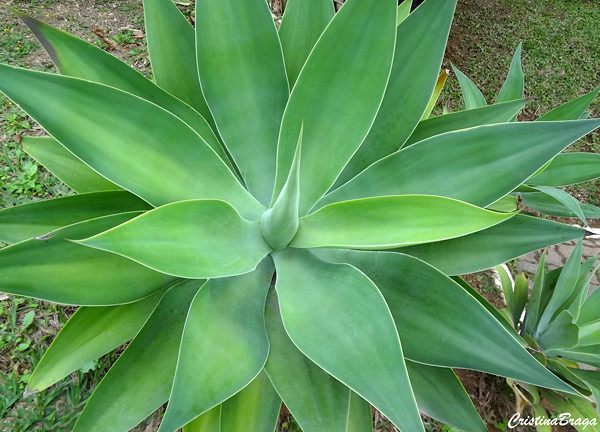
column 279, row 224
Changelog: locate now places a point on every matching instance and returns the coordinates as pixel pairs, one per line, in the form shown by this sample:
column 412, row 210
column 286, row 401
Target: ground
column 561, row 56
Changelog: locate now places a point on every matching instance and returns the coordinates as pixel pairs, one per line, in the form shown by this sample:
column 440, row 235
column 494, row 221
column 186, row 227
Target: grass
column 561, row 57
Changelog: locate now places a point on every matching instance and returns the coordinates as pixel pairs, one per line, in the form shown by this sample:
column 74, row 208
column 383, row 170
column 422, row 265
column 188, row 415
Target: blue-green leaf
column 572, row 110
column 472, row 96
column 514, row 85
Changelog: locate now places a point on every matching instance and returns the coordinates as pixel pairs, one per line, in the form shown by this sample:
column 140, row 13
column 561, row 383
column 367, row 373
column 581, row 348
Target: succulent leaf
column 243, row 79
column 572, row 110
column 89, row 334
column 301, row 26
column 140, row 381
column 466, row 337
column 317, row 401
column 61, row 162
column 392, row 221
column 225, row 334
column 514, row 85
column 127, row 144
column 337, row 317
column 341, row 74
column 198, row 239
column 505, row 155
column 545, row 204
column 569, row 168
column 493, row 246
column 472, row 96
column 565, row 199
column 38, row 218
column 440, row 395
column 417, row 63
column 55, row 269
column 172, row 51
column 78, row 58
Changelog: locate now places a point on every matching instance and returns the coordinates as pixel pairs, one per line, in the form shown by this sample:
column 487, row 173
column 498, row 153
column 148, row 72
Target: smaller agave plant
column 275, row 218
column 560, row 323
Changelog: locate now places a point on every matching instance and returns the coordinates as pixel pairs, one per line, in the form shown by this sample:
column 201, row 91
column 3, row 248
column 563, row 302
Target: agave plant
column 261, row 219
column 561, row 323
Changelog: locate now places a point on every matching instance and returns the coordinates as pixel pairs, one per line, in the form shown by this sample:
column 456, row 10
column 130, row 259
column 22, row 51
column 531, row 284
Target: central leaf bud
column 279, row 226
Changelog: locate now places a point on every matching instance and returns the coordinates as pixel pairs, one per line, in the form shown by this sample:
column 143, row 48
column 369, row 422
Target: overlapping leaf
column 340, row 74
column 337, row 317
column 224, row 345
column 198, row 239
column 392, row 221
column 132, row 142
column 61, row 271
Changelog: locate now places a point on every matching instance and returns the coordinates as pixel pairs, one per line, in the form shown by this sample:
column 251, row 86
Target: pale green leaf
column 534, row 308
column 61, row 271
column 439, row 86
column 210, row 421
column 360, row 416
column 61, row 162
column 80, row 59
column 455, row 164
column 499, row 244
column 337, row 317
column 404, row 10
column 89, row 334
column 301, row 25
column 565, row 199
column 243, row 79
column 573, row 109
column 140, row 381
column 172, row 51
column 565, row 285
column 392, row 221
column 440, row 395
column 341, row 74
column 317, row 401
column 569, row 168
column 491, row 114
column 589, row 334
column 440, row 323
column 132, row 142
column 472, row 96
column 561, row 332
column 417, row 63
column 548, row 205
column 37, row 218
column 192, row 239
column 224, row 345
column 514, row 85
column 508, row 203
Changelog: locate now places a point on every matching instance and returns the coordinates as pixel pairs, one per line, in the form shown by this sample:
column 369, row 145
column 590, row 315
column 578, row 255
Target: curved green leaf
column 565, row 199
column 533, row 311
column 439, row 86
column 317, row 401
column 341, row 74
column 37, row 218
column 56, row 270
column 404, row 10
column 89, row 334
column 132, row 142
column 547, row 205
column 572, row 110
column 302, row 24
column 589, row 310
column 337, row 317
column 499, row 244
column 210, row 421
column 172, row 52
column 592, row 379
column 224, row 345
column 561, row 332
column 569, row 168
column 565, row 285
column 514, row 85
column 61, row 162
column 417, row 62
column 244, row 82
column 80, row 59
column 360, row 416
column 392, row 221
column 440, row 395
column 255, row 408
column 472, row 96
column 192, row 239
column 454, row 164
column 457, row 332
column 140, row 381
column 491, row 114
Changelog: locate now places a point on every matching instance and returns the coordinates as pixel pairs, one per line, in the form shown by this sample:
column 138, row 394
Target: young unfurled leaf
column 472, row 96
